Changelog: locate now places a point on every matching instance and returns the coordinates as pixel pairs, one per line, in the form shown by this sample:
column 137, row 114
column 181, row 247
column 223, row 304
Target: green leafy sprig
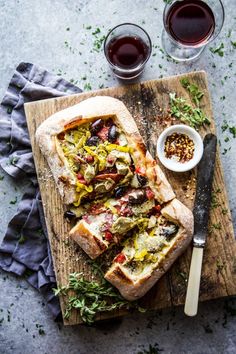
column 195, row 93
column 180, row 109
column 91, row 297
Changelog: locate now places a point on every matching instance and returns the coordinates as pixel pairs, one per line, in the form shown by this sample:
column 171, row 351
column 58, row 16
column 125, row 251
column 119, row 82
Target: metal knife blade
column 203, row 191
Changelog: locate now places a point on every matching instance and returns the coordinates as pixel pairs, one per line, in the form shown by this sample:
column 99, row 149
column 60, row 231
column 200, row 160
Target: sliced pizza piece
column 151, row 251
column 94, row 147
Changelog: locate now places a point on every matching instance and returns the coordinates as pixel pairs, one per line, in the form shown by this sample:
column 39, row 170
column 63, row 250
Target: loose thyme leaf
column 180, row 109
column 218, row 50
column 193, row 89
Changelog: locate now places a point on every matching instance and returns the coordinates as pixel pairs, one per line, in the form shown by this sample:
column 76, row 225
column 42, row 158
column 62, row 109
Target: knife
column 201, row 217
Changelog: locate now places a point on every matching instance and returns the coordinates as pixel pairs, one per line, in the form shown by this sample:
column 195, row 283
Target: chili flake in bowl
column 179, row 148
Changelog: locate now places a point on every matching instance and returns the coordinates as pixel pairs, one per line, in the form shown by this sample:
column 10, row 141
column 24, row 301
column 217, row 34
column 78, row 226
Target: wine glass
column 189, row 25
column 127, row 48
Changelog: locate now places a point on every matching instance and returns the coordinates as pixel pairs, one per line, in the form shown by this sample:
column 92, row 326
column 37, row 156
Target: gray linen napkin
column 25, row 250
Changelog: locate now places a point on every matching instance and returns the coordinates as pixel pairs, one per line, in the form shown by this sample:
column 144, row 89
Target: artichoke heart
column 122, row 168
column 89, row 173
column 123, row 224
column 104, row 186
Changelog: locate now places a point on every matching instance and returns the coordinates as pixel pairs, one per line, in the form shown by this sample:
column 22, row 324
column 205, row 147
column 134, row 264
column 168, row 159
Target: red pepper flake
column 120, row 258
column 149, row 193
column 108, row 236
column 180, row 147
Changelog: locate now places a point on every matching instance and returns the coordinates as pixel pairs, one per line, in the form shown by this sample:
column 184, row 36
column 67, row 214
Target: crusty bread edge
column 91, row 244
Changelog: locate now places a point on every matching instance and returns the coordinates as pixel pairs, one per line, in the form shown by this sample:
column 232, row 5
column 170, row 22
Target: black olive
column 137, row 197
column 112, row 134
column 93, row 141
column 96, row 126
column 119, row 191
column 142, row 180
column 69, row 215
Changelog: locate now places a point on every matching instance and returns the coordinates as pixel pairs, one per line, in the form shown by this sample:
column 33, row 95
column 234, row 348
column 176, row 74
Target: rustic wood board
column 148, row 103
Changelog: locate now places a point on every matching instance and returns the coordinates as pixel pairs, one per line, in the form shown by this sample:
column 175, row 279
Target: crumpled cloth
column 25, row 250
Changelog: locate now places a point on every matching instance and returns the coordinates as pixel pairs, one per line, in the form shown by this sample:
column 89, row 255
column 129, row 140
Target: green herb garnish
column 14, row 200
column 193, row 89
column 92, row 297
column 87, row 87
column 13, row 160
column 21, row 240
column 180, row 109
column 224, row 211
column 233, row 44
column 218, row 50
column 232, row 130
column 153, row 349
column 1, row 178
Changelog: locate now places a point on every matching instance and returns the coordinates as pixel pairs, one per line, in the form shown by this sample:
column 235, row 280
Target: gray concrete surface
column 53, row 33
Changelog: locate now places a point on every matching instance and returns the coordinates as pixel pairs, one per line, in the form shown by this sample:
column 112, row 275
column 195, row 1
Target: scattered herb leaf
column 21, row 240
column 14, row 200
column 233, row 44
column 218, row 50
column 153, row 349
column 87, row 86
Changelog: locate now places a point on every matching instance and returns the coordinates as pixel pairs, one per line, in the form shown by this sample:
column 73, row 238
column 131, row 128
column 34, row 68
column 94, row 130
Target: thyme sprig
column 180, row 109
column 195, row 93
column 91, row 297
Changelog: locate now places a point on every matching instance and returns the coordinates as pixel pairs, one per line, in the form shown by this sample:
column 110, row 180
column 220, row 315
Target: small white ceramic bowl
column 171, row 164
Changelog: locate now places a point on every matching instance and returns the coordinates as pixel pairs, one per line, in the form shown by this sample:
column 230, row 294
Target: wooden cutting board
column 148, row 103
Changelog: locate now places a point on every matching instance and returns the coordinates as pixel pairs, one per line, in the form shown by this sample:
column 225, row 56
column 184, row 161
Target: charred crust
column 74, row 122
column 65, row 180
column 120, row 274
column 101, row 245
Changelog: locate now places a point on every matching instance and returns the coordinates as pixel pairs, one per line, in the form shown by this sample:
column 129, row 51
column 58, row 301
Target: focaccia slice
column 84, row 169
column 149, row 253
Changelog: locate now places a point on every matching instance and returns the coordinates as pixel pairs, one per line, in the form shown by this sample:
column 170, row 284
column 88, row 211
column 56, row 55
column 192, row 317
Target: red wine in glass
column 190, row 22
column 127, row 52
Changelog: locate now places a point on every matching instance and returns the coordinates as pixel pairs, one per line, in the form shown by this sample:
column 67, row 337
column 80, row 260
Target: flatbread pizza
column 115, row 192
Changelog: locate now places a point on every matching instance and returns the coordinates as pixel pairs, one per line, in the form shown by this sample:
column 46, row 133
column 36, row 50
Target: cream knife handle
column 191, row 302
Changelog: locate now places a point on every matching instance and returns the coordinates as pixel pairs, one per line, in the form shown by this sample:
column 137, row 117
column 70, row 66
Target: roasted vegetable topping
column 119, row 191
column 142, row 180
column 96, row 126
column 69, row 215
column 137, row 197
column 112, row 134
column 120, row 258
column 93, row 141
